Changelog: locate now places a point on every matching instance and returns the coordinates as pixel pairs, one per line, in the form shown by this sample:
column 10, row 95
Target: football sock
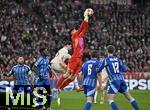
column 134, row 104
column 76, row 83
column 53, row 83
column 87, row 106
column 102, row 96
column 113, row 105
column 95, row 96
column 65, row 83
column 59, row 82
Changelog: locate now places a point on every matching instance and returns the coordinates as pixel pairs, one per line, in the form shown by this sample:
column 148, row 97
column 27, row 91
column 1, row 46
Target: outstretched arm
column 8, row 75
column 84, row 26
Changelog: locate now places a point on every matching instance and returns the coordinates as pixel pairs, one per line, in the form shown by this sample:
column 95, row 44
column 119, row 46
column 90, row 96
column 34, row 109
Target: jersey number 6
column 89, row 69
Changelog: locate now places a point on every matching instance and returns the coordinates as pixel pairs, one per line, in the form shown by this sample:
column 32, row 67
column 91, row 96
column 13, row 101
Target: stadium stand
column 26, row 25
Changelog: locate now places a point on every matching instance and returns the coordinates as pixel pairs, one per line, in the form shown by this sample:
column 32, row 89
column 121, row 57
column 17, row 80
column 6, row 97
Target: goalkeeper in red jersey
column 75, row 62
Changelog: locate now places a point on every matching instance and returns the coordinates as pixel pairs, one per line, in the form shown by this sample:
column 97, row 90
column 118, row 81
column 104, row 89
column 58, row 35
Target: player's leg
column 102, row 97
column 13, row 94
column 111, row 101
column 56, row 67
column 48, row 94
column 95, row 97
column 96, row 93
column 88, row 104
column 111, row 92
column 132, row 100
column 71, row 64
column 62, row 78
column 76, row 83
column 68, row 80
column 39, row 99
column 74, row 66
column 124, row 90
column 59, row 83
column 102, row 93
column 53, row 83
column 90, row 93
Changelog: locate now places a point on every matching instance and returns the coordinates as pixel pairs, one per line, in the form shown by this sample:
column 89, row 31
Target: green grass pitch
column 75, row 101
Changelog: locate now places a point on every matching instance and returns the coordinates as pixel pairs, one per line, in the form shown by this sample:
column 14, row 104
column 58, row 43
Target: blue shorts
column 44, row 82
column 117, row 86
column 89, row 91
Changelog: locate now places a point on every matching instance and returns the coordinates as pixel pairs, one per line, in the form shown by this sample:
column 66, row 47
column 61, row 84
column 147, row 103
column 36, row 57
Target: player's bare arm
column 7, row 75
column 84, row 26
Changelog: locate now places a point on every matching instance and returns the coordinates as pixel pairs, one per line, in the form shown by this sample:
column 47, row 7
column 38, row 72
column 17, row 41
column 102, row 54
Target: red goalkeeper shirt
column 78, row 40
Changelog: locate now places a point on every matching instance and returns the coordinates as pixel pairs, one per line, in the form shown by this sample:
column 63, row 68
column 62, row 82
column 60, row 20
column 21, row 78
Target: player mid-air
column 115, row 69
column 90, row 72
column 58, row 64
column 75, row 62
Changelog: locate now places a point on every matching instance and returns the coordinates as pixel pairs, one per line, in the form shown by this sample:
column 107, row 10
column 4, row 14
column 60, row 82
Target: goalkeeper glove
column 86, row 17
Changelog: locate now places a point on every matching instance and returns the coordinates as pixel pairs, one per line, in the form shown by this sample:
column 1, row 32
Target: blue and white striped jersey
column 21, row 73
column 42, row 67
column 90, row 71
column 114, row 67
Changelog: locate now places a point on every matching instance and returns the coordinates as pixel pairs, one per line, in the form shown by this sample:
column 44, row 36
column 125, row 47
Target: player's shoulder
column 39, row 58
column 47, row 57
column 26, row 66
column 14, row 66
column 63, row 49
column 93, row 60
column 112, row 58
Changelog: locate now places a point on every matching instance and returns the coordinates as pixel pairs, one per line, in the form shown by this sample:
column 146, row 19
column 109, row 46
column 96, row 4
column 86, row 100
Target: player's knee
column 90, row 99
column 110, row 97
column 128, row 96
column 110, row 101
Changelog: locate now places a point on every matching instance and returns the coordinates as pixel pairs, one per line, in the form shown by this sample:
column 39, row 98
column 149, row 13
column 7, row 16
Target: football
column 90, row 11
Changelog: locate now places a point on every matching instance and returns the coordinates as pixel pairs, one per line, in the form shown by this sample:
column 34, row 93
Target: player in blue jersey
column 21, row 73
column 115, row 69
column 43, row 70
column 90, row 72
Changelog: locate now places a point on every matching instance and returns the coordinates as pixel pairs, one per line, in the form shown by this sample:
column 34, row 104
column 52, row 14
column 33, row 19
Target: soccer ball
column 90, row 11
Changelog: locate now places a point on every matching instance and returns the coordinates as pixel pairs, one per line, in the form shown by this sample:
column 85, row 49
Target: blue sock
column 134, row 104
column 87, row 106
column 53, row 83
column 113, row 105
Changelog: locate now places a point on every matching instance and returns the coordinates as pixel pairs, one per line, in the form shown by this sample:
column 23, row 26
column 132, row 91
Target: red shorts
column 74, row 65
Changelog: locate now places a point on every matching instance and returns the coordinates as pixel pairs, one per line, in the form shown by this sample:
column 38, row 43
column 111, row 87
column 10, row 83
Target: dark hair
column 42, row 49
column 111, row 49
column 101, row 54
column 75, row 26
column 67, row 42
column 94, row 54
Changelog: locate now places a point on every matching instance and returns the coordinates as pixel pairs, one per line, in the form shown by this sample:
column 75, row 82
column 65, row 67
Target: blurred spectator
column 28, row 26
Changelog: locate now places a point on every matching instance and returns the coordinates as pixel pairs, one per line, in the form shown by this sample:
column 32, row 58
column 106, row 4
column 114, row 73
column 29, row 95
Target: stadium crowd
column 27, row 26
